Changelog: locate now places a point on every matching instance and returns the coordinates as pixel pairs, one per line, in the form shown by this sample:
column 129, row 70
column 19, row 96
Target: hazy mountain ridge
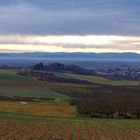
column 128, row 55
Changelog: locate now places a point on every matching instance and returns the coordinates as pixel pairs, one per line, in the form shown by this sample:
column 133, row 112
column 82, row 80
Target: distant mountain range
column 87, row 60
column 43, row 55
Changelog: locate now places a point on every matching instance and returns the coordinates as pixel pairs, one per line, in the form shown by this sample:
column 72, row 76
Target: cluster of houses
column 121, row 73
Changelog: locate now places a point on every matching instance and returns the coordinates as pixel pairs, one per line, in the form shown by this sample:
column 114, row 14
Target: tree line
column 112, row 106
column 62, row 68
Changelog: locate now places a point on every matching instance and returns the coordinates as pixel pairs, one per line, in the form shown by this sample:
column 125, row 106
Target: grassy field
column 39, row 109
column 100, row 80
column 31, row 92
column 9, row 75
column 12, row 84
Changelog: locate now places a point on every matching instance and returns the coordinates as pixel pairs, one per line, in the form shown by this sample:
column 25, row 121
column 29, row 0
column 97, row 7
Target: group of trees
column 33, row 73
column 113, row 106
column 62, row 68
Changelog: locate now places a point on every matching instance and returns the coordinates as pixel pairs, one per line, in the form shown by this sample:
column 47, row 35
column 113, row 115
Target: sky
column 70, row 26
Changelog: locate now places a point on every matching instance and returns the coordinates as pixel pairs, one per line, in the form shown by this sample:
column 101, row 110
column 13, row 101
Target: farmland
column 31, row 92
column 39, row 109
column 38, row 128
column 12, row 84
column 51, row 116
column 10, row 75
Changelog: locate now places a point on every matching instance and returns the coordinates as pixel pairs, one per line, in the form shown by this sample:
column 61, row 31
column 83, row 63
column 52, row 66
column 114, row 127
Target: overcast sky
column 70, row 25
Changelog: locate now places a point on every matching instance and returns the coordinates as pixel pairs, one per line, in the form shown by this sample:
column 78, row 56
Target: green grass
column 116, row 122
column 99, row 80
column 7, row 75
column 30, row 92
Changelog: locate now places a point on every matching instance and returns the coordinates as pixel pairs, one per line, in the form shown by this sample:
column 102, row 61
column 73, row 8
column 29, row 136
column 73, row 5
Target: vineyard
column 70, row 130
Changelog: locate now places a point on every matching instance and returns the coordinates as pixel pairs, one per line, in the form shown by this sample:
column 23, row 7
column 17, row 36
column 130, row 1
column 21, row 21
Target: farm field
column 31, row 92
column 12, row 84
column 100, row 80
column 39, row 109
column 10, row 75
column 27, row 87
column 55, row 118
column 35, row 128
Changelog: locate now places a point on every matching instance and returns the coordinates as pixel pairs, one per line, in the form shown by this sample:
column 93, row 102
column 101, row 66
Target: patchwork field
column 12, row 84
column 55, row 119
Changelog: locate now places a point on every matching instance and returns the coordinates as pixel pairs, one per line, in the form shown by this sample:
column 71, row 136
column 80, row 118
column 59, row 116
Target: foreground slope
column 14, row 126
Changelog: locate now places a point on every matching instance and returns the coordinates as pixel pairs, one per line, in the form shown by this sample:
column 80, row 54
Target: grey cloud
column 70, row 17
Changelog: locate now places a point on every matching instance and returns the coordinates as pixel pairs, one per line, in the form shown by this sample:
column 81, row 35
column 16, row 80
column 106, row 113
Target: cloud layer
column 70, row 17
column 74, row 25
column 70, row 43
